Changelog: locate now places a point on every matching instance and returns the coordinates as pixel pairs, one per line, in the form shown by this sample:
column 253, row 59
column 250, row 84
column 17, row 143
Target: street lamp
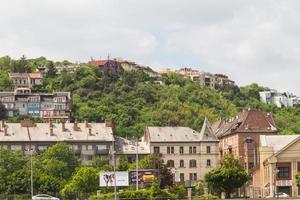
column 113, row 152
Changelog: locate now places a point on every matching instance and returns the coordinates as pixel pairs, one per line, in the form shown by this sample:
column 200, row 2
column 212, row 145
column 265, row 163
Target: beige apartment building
column 280, row 162
column 88, row 140
column 188, row 153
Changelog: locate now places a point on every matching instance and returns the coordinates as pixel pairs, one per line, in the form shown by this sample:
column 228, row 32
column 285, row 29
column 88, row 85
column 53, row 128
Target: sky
column 249, row 40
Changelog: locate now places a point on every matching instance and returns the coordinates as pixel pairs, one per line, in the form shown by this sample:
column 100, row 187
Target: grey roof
column 206, row 133
column 173, row 134
column 278, row 142
column 127, row 147
column 40, row 133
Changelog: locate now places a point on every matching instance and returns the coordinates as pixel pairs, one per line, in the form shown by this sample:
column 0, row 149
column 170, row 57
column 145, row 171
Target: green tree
column 229, row 176
column 59, row 160
column 52, row 72
column 85, row 181
column 123, row 164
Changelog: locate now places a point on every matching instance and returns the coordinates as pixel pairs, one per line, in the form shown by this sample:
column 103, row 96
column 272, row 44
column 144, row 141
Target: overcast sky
column 251, row 41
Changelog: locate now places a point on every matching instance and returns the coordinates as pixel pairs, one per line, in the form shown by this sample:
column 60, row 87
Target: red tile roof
column 35, row 75
column 247, row 121
column 98, row 62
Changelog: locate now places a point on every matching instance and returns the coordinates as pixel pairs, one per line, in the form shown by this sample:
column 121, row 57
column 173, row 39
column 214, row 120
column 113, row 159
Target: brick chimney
column 75, row 126
column 86, row 123
column 63, row 126
column 50, row 128
column 108, row 123
column 2, row 125
column 5, row 130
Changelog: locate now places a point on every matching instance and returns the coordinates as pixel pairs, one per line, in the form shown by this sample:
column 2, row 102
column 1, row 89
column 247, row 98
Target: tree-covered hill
column 133, row 99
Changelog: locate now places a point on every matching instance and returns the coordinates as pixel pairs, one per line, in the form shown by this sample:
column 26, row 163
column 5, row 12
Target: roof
column 251, row 120
column 98, row 62
column 278, row 142
column 40, row 133
column 127, row 147
column 206, row 133
column 173, row 134
column 26, row 75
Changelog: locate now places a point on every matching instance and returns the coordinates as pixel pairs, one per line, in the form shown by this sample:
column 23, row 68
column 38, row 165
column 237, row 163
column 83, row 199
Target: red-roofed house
column 108, row 66
column 27, row 80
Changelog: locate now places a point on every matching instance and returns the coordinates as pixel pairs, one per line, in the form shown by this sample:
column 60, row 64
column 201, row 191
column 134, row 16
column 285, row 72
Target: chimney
column 2, row 125
column 5, row 130
column 75, row 126
column 86, row 123
column 50, row 128
column 63, row 126
column 108, row 123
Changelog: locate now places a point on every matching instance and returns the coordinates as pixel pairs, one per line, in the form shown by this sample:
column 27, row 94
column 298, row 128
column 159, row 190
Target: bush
column 209, row 197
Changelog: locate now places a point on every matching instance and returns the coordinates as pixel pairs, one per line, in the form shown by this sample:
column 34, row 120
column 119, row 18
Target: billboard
column 107, row 179
column 145, row 176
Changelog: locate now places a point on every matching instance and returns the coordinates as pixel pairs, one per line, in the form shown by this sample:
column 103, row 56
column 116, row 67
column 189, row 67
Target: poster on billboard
column 107, row 179
column 145, row 176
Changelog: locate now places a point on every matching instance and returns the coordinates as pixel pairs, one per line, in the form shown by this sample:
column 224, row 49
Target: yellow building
column 280, row 162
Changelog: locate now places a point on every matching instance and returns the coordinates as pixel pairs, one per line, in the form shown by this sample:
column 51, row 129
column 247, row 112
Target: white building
column 279, row 99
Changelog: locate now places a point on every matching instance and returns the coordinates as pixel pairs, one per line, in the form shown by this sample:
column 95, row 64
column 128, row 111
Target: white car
column 44, row 197
column 282, row 194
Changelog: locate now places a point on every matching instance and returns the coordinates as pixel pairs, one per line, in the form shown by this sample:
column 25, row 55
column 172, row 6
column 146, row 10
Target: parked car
column 279, row 195
column 282, row 194
column 44, row 197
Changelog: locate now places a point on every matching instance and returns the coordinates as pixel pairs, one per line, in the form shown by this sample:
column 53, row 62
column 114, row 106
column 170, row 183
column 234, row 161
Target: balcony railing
column 88, row 152
column 102, row 151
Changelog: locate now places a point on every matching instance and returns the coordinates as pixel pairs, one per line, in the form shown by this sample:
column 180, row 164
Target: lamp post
column 31, row 163
column 114, row 165
column 137, row 164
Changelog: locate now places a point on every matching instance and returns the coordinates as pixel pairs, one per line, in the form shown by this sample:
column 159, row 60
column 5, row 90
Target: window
column 194, row 150
column 170, row 163
column 283, row 172
column 87, row 158
column 181, row 150
column 181, row 177
column 181, row 163
column 156, row 150
column 193, row 163
column 207, row 149
column 208, row 163
column 170, row 150
column 193, row 176
column 90, row 147
column 250, row 165
column 16, row 147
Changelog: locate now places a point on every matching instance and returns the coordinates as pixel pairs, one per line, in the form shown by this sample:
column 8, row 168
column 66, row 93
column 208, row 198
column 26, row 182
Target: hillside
column 134, row 99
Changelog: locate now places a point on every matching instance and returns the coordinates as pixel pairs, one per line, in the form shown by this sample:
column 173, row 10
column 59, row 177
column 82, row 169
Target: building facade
column 188, row 153
column 279, row 99
column 280, row 162
column 88, row 140
column 50, row 106
column 26, row 80
column 240, row 135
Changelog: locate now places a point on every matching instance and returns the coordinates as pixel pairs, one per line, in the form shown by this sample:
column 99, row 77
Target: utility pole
column 31, row 163
column 114, row 164
column 137, row 164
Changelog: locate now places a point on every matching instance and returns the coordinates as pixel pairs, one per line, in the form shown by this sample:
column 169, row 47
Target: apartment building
column 279, row 99
column 49, row 106
column 188, row 153
column 280, row 162
column 88, row 140
column 132, row 149
column 240, row 135
column 213, row 81
column 26, row 80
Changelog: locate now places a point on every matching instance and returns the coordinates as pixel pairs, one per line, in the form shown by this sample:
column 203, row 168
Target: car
column 282, row 194
column 279, row 195
column 44, row 197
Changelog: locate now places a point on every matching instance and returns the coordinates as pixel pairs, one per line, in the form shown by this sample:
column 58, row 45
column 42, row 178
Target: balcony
column 102, row 151
column 88, row 152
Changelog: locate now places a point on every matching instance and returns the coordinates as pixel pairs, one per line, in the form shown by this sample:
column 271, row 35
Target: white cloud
column 251, row 40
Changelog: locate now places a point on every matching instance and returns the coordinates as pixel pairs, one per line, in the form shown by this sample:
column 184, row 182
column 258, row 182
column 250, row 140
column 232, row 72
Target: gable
column 207, row 133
